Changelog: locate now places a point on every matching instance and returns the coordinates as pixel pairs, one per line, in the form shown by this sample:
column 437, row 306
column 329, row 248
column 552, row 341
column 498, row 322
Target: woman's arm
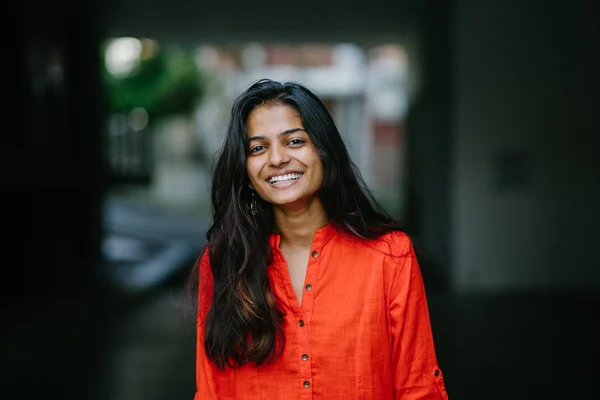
column 416, row 373
column 205, row 369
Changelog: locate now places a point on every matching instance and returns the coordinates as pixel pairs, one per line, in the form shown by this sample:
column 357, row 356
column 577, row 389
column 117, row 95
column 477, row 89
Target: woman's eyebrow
column 284, row 133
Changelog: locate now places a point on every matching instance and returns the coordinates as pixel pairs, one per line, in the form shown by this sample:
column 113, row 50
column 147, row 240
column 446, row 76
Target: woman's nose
column 278, row 156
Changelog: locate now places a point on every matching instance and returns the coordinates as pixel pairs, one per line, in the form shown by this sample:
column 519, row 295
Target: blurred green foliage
column 164, row 84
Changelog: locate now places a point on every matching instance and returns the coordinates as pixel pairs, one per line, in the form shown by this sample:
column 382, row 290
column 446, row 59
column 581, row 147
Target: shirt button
column 301, row 323
column 315, row 254
column 309, row 287
column 306, row 384
column 304, row 357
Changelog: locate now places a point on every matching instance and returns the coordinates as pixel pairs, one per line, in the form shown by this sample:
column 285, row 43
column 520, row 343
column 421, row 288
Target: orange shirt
column 362, row 331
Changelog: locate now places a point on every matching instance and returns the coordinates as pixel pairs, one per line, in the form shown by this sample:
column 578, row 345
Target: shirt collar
column 322, row 236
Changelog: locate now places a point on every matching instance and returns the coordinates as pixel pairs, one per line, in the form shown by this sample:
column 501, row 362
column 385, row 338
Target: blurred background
column 475, row 124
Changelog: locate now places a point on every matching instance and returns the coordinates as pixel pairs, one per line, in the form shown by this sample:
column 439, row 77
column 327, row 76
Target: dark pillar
column 52, row 157
column 429, row 127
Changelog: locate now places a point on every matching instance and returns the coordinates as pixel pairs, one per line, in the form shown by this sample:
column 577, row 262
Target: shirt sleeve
column 415, row 369
column 205, row 369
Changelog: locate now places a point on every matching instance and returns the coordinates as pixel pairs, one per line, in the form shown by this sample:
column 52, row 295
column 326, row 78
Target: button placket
column 309, row 285
column 303, row 346
column 303, row 311
column 304, row 330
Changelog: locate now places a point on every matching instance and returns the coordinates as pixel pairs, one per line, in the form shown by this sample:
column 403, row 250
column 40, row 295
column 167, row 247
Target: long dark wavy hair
column 244, row 322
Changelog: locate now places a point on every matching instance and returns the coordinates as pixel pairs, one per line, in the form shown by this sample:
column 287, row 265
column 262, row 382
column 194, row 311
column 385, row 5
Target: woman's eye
column 256, row 149
column 296, row 142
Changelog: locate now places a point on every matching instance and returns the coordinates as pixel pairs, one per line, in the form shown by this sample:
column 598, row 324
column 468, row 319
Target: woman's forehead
column 272, row 120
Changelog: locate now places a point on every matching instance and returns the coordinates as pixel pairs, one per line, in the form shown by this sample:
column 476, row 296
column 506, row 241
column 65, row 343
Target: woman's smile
column 285, row 180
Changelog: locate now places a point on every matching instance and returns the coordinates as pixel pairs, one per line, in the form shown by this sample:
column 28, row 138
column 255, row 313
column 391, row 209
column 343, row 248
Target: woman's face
column 283, row 165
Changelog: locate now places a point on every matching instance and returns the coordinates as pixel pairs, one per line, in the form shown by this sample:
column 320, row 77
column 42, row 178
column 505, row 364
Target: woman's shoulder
column 394, row 243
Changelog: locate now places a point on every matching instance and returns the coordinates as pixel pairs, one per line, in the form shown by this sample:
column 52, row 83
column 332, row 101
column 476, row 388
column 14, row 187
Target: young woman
column 306, row 290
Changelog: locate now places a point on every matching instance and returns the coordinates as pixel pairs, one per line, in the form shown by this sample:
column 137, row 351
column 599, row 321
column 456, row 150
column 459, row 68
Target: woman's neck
column 297, row 225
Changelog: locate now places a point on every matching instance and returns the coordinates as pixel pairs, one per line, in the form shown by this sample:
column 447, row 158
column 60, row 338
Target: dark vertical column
column 52, row 186
column 429, row 143
column 52, row 151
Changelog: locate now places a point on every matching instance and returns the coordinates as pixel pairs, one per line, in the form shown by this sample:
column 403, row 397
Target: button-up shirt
column 361, row 332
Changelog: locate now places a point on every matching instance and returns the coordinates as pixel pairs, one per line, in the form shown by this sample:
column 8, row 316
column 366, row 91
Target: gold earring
column 253, row 205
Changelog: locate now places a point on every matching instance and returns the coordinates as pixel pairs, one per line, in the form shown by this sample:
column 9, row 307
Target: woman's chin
column 292, row 202
column 285, row 201
column 281, row 197
column 290, row 197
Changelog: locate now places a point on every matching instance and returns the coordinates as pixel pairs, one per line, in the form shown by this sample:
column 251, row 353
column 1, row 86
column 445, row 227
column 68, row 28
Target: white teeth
column 284, row 178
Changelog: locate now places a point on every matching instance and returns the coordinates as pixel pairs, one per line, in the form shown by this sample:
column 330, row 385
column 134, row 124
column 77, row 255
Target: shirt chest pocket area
column 350, row 317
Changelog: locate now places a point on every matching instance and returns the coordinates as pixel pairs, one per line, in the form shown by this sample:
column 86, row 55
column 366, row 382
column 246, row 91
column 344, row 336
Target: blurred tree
column 163, row 82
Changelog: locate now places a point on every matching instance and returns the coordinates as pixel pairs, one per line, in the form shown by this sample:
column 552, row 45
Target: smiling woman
column 306, row 289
